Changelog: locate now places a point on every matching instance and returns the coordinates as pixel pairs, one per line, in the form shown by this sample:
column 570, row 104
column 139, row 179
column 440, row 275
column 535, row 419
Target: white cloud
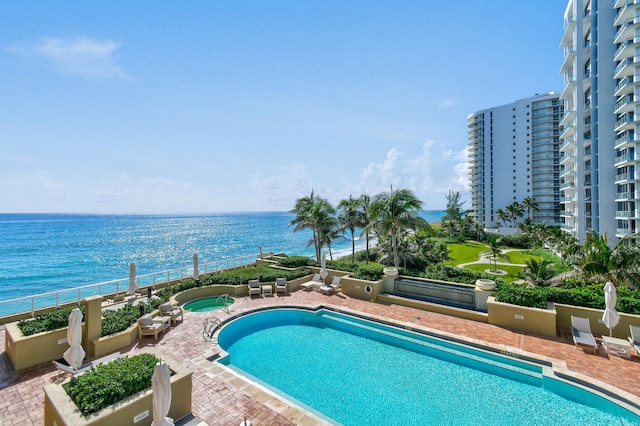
column 80, row 56
column 430, row 174
column 447, row 103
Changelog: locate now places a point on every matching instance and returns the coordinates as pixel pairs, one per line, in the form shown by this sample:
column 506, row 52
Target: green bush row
column 110, row 383
column 588, row 295
column 46, row 322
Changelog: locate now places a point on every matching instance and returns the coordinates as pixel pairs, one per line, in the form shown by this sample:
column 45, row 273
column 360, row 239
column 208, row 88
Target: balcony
column 627, row 11
column 626, row 104
column 625, row 214
column 569, row 28
column 626, row 85
column 626, row 48
column 627, row 29
column 626, row 67
column 625, row 158
column 622, row 177
column 568, row 131
column 626, row 122
column 624, row 138
column 569, row 57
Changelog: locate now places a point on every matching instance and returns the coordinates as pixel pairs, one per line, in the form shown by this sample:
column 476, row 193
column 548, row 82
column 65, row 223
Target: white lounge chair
column 254, row 288
column 333, row 287
column 167, row 309
column 281, row 285
column 635, row 338
column 64, row 369
column 309, row 285
column 582, row 336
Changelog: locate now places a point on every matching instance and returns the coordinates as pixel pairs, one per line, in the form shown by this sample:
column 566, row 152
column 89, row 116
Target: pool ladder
column 225, row 298
column 210, row 327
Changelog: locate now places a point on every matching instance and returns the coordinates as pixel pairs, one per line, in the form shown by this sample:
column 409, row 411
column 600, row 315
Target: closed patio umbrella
column 610, row 318
column 196, row 272
column 323, row 266
column 75, row 354
column 133, row 286
column 161, row 387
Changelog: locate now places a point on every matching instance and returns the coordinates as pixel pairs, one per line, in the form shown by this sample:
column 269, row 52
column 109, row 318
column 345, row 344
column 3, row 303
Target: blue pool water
column 358, row 372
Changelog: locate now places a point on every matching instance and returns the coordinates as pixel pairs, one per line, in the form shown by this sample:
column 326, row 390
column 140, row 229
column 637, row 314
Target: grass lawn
column 513, row 271
column 520, row 257
column 467, row 252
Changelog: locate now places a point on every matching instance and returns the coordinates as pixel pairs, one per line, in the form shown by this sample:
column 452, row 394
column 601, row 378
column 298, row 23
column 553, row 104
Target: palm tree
column 536, row 272
column 530, row 204
column 495, row 247
column 350, row 217
column 503, row 216
column 366, row 221
column 395, row 211
column 620, row 265
column 514, row 211
column 313, row 212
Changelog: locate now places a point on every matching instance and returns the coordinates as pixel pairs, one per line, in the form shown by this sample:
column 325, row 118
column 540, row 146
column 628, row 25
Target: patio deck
column 221, row 399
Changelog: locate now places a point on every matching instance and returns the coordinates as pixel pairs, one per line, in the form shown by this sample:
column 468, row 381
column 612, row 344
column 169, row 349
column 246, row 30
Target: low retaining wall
column 595, row 319
column 521, row 318
column 59, row 409
column 27, row 351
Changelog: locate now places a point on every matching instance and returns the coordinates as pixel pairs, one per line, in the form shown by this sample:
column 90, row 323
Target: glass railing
column 75, row 295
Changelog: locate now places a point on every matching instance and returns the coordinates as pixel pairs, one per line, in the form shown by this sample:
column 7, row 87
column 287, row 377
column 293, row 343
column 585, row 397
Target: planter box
column 27, row 351
column 59, row 409
column 108, row 344
column 520, row 318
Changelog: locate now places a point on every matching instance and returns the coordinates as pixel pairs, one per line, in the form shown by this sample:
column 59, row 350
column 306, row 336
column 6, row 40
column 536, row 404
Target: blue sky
column 193, row 107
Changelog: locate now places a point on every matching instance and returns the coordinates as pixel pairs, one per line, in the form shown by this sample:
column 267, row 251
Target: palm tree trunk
column 353, row 247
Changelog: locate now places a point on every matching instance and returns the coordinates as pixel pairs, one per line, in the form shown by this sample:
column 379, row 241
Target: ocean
column 41, row 253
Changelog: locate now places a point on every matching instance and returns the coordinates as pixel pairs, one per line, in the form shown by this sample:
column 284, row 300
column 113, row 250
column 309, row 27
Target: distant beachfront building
column 514, row 154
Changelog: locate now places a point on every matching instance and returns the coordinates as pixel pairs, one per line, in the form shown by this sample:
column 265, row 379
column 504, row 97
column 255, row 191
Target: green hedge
column 587, row 295
column 54, row 320
column 110, row 383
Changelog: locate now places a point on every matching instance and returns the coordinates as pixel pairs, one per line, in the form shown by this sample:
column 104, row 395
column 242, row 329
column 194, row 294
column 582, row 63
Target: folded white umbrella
column 75, row 354
column 161, row 387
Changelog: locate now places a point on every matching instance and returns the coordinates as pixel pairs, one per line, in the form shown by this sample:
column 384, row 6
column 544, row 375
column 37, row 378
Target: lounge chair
column 168, row 310
column 254, row 288
column 582, row 336
column 635, row 338
column 310, row 284
column 64, row 369
column 149, row 326
column 281, row 285
column 334, row 286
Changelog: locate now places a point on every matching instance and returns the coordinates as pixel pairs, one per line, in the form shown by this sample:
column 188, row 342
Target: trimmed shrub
column 522, row 295
column 370, row 272
column 295, row 262
column 47, row 322
column 110, row 383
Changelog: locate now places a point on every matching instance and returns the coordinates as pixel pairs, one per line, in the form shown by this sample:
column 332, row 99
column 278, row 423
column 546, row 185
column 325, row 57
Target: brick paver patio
column 221, row 398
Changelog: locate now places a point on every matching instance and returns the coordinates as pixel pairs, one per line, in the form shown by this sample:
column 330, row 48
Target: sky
column 234, row 106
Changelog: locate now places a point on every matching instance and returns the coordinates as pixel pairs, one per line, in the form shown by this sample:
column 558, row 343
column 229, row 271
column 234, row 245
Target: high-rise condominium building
column 601, row 69
column 514, row 154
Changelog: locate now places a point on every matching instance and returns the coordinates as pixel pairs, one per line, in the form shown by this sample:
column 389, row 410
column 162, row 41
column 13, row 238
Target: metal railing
column 56, row 298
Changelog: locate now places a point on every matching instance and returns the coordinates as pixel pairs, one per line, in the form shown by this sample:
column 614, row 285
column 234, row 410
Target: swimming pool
column 208, row 304
column 355, row 371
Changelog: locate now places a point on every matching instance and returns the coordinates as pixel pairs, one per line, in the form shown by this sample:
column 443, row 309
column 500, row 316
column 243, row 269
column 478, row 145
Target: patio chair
column 333, row 287
column 635, row 338
column 254, row 288
column 582, row 336
column 281, row 285
column 148, row 326
column 168, row 310
column 309, row 284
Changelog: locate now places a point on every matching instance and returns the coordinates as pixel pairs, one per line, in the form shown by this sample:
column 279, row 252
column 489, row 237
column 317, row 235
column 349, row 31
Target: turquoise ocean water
column 41, row 253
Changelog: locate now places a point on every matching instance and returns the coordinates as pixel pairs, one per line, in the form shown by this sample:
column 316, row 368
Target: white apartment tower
column 514, row 154
column 600, row 68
